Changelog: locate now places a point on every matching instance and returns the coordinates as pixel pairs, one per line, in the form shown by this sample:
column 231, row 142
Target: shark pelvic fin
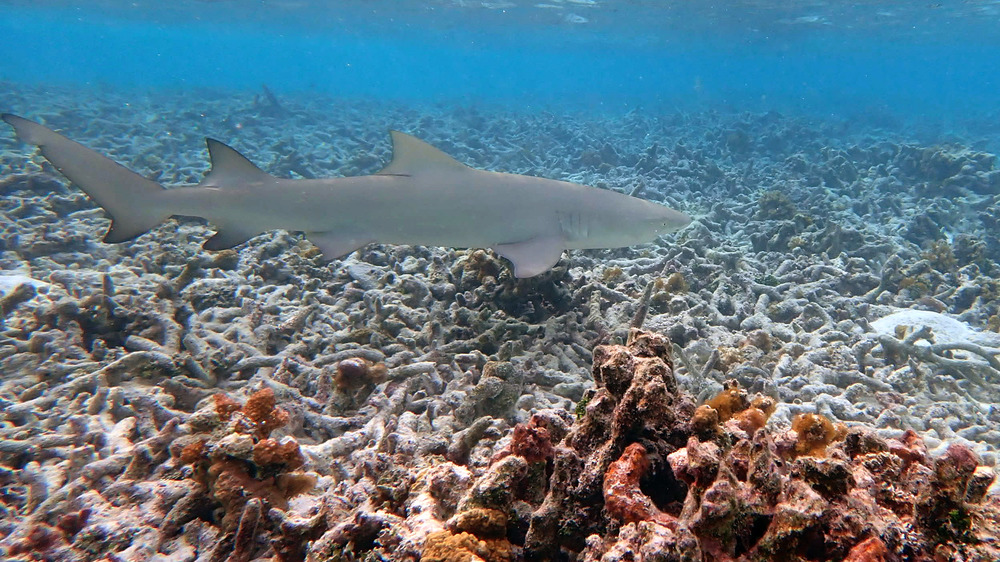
column 534, row 256
column 229, row 167
column 337, row 245
column 226, row 237
column 410, row 156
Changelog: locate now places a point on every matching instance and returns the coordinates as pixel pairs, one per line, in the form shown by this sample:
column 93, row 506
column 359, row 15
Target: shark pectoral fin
column 532, row 257
column 336, row 244
column 227, row 237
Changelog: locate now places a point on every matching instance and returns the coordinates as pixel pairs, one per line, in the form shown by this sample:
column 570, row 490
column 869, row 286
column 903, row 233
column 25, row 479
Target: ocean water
column 838, row 162
column 934, row 62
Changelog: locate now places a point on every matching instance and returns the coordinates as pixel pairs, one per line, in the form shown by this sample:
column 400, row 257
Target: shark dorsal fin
column 230, row 167
column 411, row 155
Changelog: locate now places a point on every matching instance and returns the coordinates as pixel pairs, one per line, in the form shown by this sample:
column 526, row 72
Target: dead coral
column 774, row 205
column 496, row 393
column 21, row 294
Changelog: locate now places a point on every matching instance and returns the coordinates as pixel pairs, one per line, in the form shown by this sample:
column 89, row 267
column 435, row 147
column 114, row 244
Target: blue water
column 919, row 61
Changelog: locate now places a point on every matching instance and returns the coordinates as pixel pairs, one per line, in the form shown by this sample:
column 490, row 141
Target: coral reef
column 632, row 481
column 427, row 392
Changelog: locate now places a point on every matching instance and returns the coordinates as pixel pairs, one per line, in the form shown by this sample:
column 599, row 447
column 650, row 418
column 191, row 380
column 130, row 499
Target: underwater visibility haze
column 627, row 280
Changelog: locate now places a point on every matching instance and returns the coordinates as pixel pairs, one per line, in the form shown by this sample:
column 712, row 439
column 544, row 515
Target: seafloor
column 837, row 267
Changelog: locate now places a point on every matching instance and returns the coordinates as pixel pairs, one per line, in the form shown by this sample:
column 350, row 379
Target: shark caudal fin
column 130, row 199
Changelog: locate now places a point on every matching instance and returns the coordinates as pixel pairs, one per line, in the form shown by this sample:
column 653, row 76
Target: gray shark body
column 422, row 197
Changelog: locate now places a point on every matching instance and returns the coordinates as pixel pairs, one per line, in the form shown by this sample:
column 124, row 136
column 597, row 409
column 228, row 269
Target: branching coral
column 981, row 366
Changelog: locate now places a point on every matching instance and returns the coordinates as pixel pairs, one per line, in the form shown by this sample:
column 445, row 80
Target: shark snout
column 669, row 221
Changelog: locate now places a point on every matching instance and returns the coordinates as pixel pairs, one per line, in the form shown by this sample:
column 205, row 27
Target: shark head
column 639, row 223
column 663, row 220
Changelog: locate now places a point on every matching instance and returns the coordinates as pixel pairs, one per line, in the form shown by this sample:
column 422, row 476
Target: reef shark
column 423, row 197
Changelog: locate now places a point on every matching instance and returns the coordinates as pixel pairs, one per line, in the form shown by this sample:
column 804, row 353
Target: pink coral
column 530, row 441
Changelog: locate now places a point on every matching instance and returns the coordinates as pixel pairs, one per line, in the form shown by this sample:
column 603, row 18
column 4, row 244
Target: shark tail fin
column 132, row 200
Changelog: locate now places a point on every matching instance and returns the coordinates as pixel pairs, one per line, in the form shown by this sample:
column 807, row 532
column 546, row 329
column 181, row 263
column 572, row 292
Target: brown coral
column 483, row 522
column 705, row 421
column 356, row 373
column 684, row 483
column 814, row 432
column 530, row 441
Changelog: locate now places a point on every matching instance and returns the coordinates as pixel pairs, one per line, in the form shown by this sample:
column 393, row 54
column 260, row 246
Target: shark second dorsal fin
column 230, row 167
column 411, row 155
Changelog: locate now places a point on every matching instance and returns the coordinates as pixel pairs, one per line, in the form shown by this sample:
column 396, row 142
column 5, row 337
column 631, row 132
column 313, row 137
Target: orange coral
column 231, row 478
column 443, row 546
column 732, row 404
column 260, row 409
column 270, row 452
column 732, row 399
column 750, row 420
column 622, row 496
column 225, row 406
column 871, row 549
column 814, row 432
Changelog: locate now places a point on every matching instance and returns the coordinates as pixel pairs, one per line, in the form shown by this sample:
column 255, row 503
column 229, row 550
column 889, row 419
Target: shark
column 422, row 197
